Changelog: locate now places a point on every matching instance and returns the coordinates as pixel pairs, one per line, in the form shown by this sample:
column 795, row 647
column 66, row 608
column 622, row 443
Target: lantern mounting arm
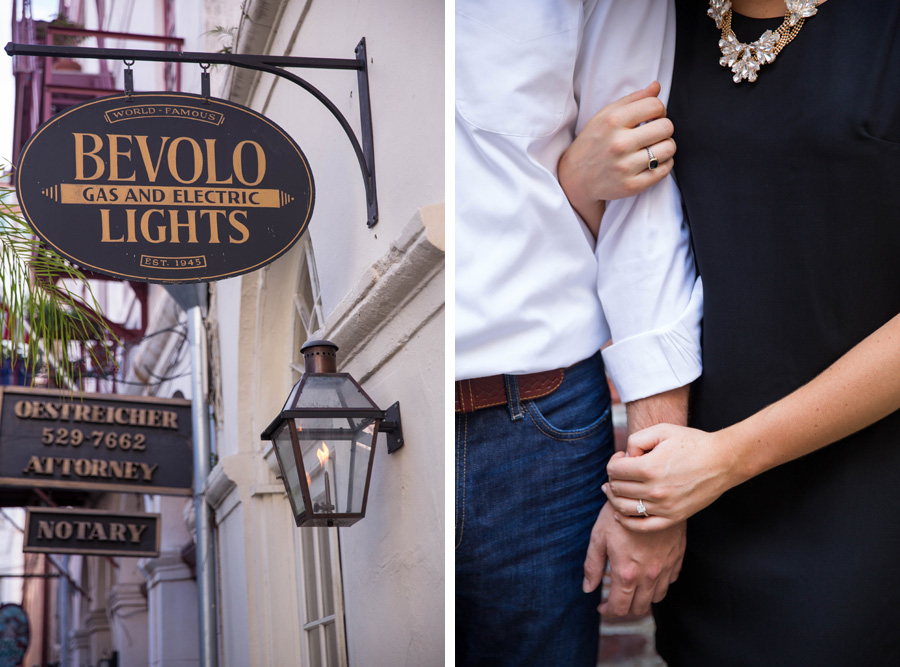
column 391, row 428
column 365, row 154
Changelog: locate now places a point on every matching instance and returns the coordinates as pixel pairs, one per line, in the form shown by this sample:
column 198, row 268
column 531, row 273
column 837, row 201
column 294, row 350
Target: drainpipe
column 206, row 561
column 63, row 603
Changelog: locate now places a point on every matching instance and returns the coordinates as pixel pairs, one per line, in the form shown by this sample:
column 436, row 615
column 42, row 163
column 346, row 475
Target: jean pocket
column 565, row 416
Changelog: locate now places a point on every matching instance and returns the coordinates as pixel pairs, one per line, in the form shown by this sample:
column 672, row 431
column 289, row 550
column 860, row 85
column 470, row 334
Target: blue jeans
column 528, row 490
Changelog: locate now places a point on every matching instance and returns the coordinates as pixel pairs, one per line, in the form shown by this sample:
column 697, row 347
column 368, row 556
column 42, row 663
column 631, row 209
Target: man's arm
column 647, row 284
column 642, row 565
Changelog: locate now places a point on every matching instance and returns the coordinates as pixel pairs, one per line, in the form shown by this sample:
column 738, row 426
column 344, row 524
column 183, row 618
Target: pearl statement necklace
column 746, row 59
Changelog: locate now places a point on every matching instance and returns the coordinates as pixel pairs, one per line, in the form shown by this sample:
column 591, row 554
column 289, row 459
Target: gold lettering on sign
column 90, row 531
column 112, row 156
column 117, row 532
column 45, row 530
column 96, row 414
column 173, row 160
column 165, row 195
column 116, row 151
column 140, row 111
column 135, row 531
column 81, row 153
column 90, row 468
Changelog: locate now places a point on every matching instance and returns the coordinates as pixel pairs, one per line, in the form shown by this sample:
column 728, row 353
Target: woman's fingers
column 652, row 133
column 650, row 91
column 645, row 440
column 627, row 468
column 643, row 177
column 649, row 524
column 639, row 112
column 629, row 504
column 626, row 490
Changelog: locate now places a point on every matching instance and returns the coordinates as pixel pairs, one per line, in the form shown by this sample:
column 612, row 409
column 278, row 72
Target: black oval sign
column 165, row 187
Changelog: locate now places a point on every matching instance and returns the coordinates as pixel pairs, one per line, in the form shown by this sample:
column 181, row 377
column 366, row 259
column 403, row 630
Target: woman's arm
column 608, row 159
column 678, row 471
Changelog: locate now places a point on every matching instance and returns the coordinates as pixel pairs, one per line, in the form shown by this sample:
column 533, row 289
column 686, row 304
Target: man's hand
column 608, row 159
column 642, row 565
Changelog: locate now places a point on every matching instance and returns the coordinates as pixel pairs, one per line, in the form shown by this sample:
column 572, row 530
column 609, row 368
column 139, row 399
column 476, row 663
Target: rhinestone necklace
column 746, row 59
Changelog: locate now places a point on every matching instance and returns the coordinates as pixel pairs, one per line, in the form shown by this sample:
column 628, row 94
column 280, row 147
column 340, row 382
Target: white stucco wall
column 12, row 560
column 382, row 295
column 393, row 564
column 405, row 40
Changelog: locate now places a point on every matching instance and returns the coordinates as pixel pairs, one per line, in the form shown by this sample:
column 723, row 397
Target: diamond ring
column 652, row 163
column 641, row 509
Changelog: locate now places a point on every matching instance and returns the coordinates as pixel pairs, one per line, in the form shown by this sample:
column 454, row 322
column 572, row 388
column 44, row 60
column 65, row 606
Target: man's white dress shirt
column 533, row 293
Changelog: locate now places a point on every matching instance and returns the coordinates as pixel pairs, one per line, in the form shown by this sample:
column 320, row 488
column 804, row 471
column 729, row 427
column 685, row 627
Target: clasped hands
column 676, row 471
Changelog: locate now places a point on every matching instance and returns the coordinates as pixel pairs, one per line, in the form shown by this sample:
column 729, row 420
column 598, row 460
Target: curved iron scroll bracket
column 365, row 151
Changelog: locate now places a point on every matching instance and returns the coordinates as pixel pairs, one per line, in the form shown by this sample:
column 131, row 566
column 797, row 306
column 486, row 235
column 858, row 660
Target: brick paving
column 628, row 642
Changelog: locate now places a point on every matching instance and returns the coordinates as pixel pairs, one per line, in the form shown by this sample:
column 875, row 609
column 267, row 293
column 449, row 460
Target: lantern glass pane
column 289, row 466
column 336, row 454
column 328, row 391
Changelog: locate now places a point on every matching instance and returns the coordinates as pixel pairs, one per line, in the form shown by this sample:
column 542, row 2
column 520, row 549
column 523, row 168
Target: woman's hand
column 609, row 160
column 676, row 471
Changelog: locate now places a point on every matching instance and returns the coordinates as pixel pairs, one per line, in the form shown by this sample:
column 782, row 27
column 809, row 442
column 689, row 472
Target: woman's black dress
column 792, row 188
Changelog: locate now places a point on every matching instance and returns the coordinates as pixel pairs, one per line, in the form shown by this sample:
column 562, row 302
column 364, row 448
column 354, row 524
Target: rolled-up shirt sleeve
column 647, row 282
column 651, row 294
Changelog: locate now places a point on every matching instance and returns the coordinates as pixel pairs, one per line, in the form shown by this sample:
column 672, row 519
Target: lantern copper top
column 319, row 356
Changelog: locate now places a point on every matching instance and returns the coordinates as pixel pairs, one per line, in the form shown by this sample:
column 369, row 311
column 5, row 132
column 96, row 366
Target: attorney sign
column 165, row 187
column 95, row 442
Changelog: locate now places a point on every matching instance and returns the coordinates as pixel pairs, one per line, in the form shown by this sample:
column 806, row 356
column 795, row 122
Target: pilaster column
column 128, row 607
column 172, row 603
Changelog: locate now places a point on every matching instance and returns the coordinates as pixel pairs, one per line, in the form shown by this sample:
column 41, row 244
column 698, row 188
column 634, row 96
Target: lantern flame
column 323, row 453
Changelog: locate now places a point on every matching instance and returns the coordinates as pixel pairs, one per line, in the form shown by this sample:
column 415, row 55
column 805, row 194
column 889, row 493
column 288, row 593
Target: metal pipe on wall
column 206, row 561
column 63, row 604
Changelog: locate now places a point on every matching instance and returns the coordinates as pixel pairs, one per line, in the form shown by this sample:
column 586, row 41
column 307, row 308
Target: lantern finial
column 319, row 356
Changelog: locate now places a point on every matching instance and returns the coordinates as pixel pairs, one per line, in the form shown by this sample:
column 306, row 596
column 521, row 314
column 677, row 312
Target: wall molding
column 383, row 298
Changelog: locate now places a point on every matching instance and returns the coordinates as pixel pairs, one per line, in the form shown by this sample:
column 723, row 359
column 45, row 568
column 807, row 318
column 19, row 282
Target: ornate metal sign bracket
column 276, row 65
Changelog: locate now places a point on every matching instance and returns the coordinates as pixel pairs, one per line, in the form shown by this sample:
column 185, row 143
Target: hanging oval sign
column 165, row 187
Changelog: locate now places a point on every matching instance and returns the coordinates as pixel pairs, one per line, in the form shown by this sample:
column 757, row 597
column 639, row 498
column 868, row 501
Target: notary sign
column 91, row 532
column 165, row 187
column 95, row 442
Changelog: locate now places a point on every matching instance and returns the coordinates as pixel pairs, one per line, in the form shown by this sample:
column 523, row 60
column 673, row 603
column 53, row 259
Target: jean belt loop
column 516, row 413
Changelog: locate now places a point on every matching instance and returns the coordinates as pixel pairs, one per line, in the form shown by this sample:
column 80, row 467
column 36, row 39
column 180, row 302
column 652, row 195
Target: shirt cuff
column 659, row 360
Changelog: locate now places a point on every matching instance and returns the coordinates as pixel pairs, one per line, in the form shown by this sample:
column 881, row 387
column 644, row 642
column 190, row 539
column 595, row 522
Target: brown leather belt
column 487, row 392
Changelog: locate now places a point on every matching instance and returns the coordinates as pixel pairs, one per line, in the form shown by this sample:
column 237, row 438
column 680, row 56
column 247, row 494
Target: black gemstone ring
column 653, row 163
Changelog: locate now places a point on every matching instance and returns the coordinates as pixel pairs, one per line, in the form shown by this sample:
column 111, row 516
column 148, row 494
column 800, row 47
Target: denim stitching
column 460, row 525
column 512, row 395
column 547, row 429
column 456, row 486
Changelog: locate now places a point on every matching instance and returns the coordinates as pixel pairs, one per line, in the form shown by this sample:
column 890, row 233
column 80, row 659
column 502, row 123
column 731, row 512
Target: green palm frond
column 43, row 316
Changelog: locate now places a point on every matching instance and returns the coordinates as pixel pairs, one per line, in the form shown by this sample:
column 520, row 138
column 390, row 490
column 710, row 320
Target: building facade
column 369, row 594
